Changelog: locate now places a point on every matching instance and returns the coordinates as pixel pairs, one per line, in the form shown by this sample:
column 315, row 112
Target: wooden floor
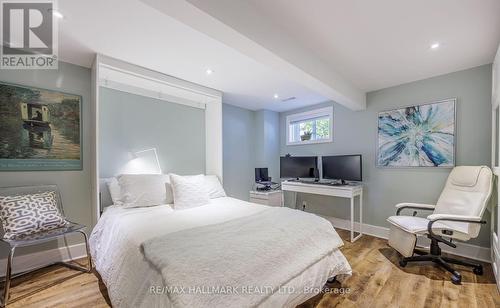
column 377, row 281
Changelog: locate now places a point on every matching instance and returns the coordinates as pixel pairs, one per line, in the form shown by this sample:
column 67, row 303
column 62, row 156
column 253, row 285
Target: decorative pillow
column 139, row 190
column 23, row 215
column 214, row 187
column 189, row 191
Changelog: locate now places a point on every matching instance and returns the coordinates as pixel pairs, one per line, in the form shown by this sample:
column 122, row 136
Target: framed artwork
column 418, row 136
column 39, row 129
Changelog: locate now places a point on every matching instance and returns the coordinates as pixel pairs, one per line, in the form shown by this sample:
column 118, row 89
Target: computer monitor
column 342, row 167
column 298, row 167
column 261, row 175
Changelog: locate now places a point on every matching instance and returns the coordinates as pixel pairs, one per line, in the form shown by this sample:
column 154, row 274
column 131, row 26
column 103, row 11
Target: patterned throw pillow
column 28, row 214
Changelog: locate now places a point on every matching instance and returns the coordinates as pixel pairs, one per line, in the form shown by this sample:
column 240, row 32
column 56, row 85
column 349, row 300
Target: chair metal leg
column 8, row 275
column 87, row 269
column 89, row 258
column 8, row 271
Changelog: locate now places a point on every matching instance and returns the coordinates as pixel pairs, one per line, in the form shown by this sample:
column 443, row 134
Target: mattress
column 131, row 280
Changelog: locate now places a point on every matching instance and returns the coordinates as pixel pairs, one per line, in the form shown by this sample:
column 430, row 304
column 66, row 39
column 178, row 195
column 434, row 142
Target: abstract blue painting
column 417, row 136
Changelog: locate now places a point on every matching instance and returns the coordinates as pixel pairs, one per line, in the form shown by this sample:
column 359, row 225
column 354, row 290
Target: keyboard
column 322, row 183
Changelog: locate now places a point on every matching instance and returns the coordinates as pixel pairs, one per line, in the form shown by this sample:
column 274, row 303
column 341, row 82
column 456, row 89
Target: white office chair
column 457, row 215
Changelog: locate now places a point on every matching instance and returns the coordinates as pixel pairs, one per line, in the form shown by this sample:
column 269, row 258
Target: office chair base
column 332, row 279
column 444, row 262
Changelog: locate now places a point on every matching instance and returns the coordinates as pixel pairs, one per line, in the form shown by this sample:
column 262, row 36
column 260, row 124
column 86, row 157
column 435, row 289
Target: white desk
column 346, row 191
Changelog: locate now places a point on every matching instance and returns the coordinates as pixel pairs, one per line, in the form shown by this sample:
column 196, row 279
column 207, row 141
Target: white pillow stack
column 142, row 190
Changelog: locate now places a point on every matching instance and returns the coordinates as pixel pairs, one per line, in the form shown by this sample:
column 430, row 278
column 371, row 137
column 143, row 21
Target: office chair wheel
column 478, row 270
column 402, row 263
column 332, row 279
column 456, row 279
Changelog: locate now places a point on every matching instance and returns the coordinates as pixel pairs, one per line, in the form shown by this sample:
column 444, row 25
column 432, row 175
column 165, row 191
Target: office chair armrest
column 418, row 206
column 450, row 217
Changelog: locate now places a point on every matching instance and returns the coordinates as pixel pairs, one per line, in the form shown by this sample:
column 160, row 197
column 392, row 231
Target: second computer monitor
column 342, row 167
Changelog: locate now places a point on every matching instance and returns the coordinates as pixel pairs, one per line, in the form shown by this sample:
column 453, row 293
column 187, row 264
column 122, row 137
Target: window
column 313, row 126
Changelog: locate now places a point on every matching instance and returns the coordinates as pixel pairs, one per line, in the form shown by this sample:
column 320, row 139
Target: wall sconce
column 143, row 162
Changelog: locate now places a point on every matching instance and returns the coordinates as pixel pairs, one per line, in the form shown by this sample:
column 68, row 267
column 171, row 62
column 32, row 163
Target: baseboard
column 39, row 259
column 495, row 258
column 463, row 249
column 372, row 230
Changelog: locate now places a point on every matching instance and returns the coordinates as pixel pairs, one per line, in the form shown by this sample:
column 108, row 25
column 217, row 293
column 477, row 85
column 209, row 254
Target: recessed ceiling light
column 209, row 71
column 276, row 96
column 57, row 14
column 435, row 45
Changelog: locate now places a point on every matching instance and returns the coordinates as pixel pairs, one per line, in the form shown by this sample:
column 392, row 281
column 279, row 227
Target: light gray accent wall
column 238, row 126
column 356, row 132
column 250, row 140
column 267, row 142
column 129, row 122
column 74, row 185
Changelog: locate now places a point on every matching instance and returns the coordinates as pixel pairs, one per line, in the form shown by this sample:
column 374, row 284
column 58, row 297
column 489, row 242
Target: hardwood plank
column 377, row 281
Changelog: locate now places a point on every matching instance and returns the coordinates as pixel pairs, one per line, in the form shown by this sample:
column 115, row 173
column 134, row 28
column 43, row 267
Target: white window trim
column 316, row 113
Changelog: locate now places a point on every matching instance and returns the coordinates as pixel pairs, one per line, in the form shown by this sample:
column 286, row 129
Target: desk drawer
column 271, row 200
column 259, row 201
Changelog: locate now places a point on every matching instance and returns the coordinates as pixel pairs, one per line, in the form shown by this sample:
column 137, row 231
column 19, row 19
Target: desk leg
column 361, row 213
column 295, row 200
column 352, row 219
column 360, row 228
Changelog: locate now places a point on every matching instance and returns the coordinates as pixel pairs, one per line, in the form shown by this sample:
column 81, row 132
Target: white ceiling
column 134, row 32
column 239, row 25
column 377, row 44
column 331, row 49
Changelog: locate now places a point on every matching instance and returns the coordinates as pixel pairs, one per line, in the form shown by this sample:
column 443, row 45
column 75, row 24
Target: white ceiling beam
column 238, row 25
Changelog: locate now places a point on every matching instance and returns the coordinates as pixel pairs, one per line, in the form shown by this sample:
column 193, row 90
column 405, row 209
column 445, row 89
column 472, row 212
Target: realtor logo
column 29, row 37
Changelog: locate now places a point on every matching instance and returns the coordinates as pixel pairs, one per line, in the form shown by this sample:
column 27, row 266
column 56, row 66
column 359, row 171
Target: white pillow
column 139, row 190
column 114, row 190
column 214, row 187
column 189, row 191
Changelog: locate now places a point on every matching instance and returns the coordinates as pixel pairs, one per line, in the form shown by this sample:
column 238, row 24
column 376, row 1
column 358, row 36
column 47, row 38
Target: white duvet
column 133, row 282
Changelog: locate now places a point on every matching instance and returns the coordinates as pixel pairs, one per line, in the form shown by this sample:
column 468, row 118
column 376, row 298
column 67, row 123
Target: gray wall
column 356, row 132
column 131, row 122
column 267, row 143
column 250, row 140
column 238, row 127
column 74, row 185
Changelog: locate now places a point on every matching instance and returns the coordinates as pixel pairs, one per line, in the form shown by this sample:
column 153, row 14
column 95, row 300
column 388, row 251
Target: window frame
column 310, row 115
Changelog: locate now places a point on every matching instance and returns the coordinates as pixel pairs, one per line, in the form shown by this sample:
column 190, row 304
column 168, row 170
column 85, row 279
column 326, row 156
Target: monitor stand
column 341, row 183
column 316, row 180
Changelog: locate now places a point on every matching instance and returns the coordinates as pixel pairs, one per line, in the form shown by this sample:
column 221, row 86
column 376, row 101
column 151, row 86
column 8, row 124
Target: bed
column 120, row 256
